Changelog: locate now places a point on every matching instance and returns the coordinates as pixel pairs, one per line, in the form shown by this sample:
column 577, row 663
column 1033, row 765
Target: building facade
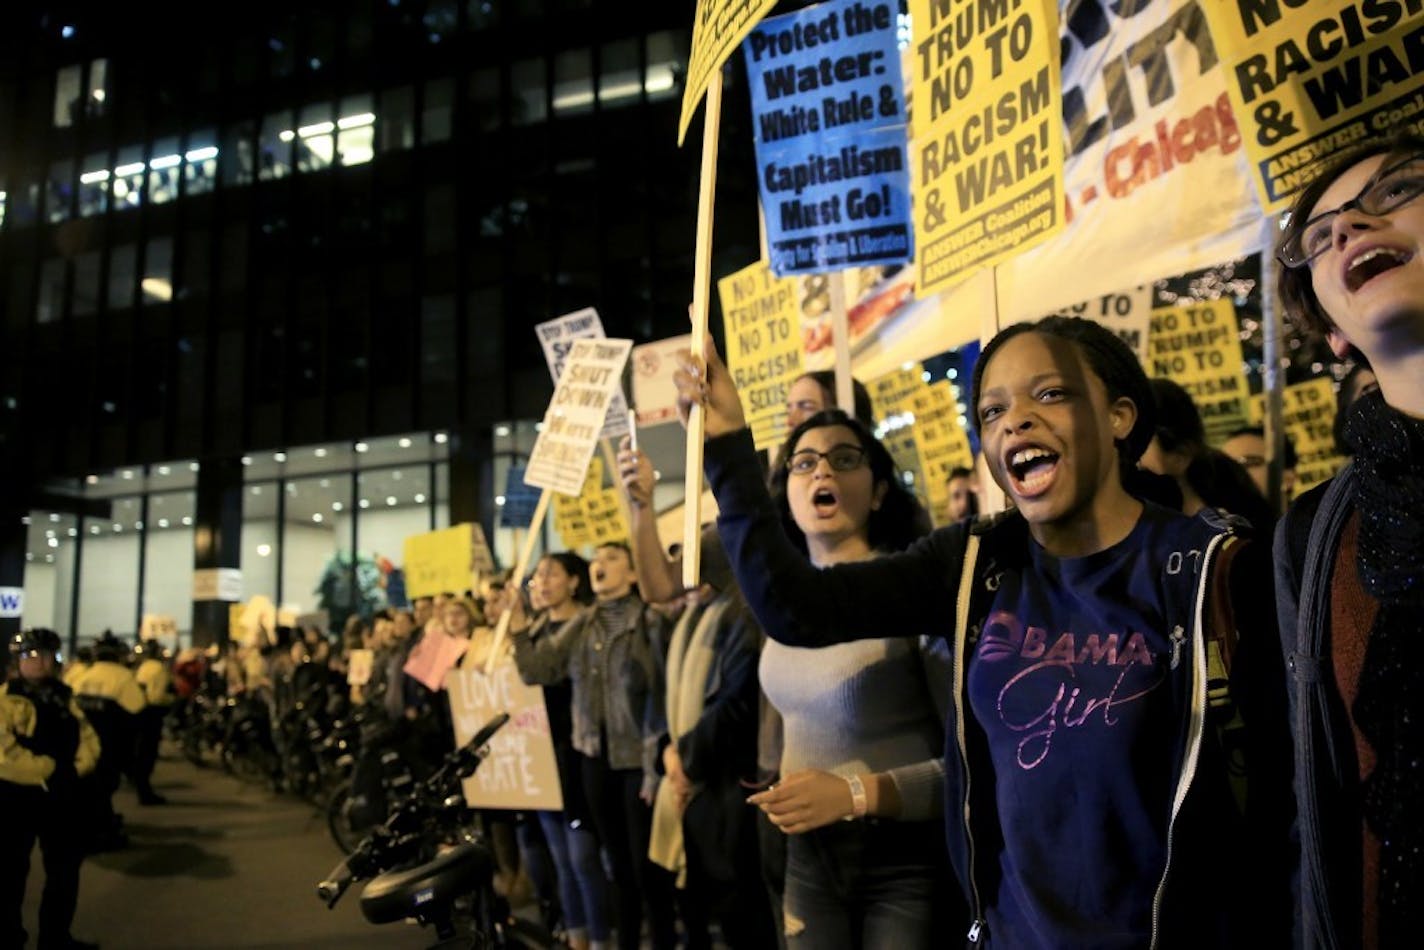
column 286, row 228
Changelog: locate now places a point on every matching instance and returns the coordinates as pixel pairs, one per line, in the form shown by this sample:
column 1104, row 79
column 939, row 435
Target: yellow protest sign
column 890, row 394
column 987, row 133
column 1309, row 79
column 941, row 442
column 717, row 29
column 763, row 331
column 604, row 515
column 438, row 562
column 1199, row 347
column 571, row 516
column 1308, row 415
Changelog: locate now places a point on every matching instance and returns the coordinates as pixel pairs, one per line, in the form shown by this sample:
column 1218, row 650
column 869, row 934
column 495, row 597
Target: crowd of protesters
column 1070, row 723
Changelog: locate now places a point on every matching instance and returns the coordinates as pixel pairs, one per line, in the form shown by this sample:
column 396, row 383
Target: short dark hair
column 1110, row 359
column 1297, row 293
column 1179, row 422
column 826, row 379
column 1288, row 454
column 959, row 471
column 900, row 518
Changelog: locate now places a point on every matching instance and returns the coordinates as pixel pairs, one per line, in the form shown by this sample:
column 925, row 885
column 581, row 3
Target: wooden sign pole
column 501, row 629
column 701, row 292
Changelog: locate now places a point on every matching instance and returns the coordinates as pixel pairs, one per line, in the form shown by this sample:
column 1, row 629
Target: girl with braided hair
column 1087, row 800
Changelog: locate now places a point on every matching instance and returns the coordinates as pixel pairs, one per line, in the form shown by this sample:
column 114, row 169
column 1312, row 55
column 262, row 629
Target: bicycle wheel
column 341, row 819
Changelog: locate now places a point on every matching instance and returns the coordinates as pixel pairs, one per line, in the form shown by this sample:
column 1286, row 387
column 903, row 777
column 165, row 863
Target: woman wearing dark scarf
column 1350, row 558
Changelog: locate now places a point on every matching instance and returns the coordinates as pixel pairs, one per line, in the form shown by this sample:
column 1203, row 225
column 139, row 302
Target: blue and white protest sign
column 520, row 500
column 828, row 111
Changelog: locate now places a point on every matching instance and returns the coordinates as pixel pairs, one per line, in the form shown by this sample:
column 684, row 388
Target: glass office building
column 300, row 229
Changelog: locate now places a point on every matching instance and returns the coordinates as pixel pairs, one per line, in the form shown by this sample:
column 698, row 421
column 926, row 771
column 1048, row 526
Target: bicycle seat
column 412, row 892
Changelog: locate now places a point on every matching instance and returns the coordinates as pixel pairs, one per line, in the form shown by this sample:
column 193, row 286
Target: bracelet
column 858, row 804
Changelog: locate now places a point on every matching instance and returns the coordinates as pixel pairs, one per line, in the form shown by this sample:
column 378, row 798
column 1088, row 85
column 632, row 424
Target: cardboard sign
column 433, row 656
column 762, row 321
column 557, row 338
column 520, row 771
column 890, row 394
column 1309, row 80
column 158, row 626
column 217, row 583
column 574, row 419
column 358, row 667
column 481, row 557
column 570, row 516
column 1128, row 314
column 940, row 441
column 988, row 134
column 654, row 394
column 440, row 562
column 828, row 119
column 1199, row 347
column 1308, row 415
column 719, row 26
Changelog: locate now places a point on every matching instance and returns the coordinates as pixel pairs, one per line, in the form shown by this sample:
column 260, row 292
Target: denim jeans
column 583, row 887
column 870, row 885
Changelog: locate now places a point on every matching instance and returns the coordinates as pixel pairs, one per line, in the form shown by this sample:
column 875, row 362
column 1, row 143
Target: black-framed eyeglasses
column 1390, row 188
column 843, row 458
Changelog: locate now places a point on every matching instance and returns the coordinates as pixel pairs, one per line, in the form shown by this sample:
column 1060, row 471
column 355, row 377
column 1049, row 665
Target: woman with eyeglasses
column 863, row 720
column 1350, row 557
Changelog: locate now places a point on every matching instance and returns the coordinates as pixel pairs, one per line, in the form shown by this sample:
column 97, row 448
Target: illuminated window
column 164, row 166
column 128, row 178
column 274, row 146
column 94, row 177
column 157, row 282
column 59, row 192
column 200, row 162
column 355, row 131
column 235, row 158
column 667, row 57
column 68, row 95
column 620, row 80
column 315, row 140
column 573, row 82
column 96, row 102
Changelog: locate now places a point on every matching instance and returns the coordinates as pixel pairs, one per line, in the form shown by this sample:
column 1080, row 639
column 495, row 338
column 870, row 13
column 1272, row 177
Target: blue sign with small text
column 520, row 500
column 828, row 111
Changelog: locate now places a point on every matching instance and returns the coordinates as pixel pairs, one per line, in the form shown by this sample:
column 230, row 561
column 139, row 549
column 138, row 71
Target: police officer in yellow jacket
column 156, row 681
column 112, row 700
column 45, row 745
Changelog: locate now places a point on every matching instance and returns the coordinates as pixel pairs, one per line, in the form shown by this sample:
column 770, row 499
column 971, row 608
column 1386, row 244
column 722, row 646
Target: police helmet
column 35, row 640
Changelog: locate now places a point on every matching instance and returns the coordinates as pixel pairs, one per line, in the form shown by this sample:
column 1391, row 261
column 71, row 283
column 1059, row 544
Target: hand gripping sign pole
column 501, row 629
column 701, row 294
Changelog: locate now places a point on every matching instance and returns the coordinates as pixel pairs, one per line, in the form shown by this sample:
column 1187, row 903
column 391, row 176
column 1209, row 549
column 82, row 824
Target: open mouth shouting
column 1031, row 469
column 825, row 502
column 1368, row 263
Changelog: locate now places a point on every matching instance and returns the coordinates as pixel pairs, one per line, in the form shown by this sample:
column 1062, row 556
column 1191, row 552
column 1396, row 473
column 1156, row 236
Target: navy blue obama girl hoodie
column 1087, row 802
